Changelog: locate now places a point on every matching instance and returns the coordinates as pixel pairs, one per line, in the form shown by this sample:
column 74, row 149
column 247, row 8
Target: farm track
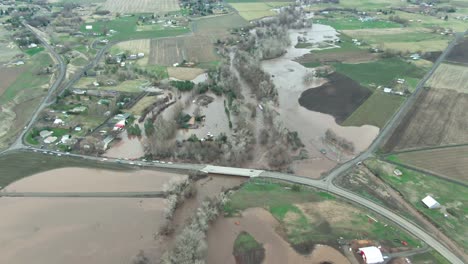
column 325, row 184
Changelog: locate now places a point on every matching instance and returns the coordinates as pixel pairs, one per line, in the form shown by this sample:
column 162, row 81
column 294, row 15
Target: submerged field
column 69, row 224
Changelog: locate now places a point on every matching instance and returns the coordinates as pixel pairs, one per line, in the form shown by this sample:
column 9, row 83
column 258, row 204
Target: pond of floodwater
column 126, row 147
column 216, row 120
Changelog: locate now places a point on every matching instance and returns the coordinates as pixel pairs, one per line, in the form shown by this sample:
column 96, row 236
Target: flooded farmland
column 261, row 225
column 93, row 180
column 78, row 230
column 83, row 230
column 288, row 77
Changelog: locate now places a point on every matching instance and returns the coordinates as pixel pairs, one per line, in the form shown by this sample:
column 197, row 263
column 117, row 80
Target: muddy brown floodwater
column 78, row 230
column 261, row 225
column 127, row 147
column 206, row 187
column 83, row 230
column 311, row 125
column 93, row 180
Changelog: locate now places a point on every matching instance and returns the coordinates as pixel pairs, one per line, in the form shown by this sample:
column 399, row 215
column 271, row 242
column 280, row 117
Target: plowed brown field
column 438, row 117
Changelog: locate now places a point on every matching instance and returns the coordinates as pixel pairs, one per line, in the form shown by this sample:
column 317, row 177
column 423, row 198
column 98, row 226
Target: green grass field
column 431, row 21
column 414, row 186
column 79, row 62
column 376, row 110
column 381, row 72
column 34, row 51
column 350, row 22
column 306, row 226
column 126, row 28
column 29, row 80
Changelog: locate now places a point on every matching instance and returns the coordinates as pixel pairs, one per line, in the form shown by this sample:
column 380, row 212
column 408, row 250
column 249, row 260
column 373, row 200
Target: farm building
column 119, row 125
column 58, row 121
column 45, row 133
column 430, row 202
column 50, row 140
column 387, row 90
column 371, row 255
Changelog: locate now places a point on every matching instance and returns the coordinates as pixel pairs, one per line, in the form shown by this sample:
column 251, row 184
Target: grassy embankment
column 297, row 209
column 414, row 186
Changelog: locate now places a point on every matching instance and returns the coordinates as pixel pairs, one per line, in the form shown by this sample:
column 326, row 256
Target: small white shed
column 430, row 202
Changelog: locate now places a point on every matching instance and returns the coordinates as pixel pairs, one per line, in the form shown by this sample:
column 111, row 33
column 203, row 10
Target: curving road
column 325, row 184
column 62, row 68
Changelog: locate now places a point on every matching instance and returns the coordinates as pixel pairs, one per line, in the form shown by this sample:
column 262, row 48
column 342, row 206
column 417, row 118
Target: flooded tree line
column 246, row 88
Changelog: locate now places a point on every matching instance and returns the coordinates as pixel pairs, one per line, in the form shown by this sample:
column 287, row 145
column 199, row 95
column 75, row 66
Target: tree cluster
column 343, row 143
column 252, row 73
column 190, row 246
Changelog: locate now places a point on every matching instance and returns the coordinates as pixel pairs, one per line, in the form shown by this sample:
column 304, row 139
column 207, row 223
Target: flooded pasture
column 93, row 180
column 78, row 230
column 261, row 225
column 288, row 77
column 83, row 230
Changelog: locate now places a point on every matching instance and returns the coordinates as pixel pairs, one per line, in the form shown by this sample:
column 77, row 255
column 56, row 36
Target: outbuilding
column 50, row 140
column 430, row 202
column 45, row 133
column 58, row 121
column 371, row 255
column 120, row 125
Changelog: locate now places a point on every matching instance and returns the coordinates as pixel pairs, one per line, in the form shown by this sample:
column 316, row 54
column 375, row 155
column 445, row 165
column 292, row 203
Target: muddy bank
column 93, row 180
column 261, row 225
column 339, row 97
column 78, row 230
